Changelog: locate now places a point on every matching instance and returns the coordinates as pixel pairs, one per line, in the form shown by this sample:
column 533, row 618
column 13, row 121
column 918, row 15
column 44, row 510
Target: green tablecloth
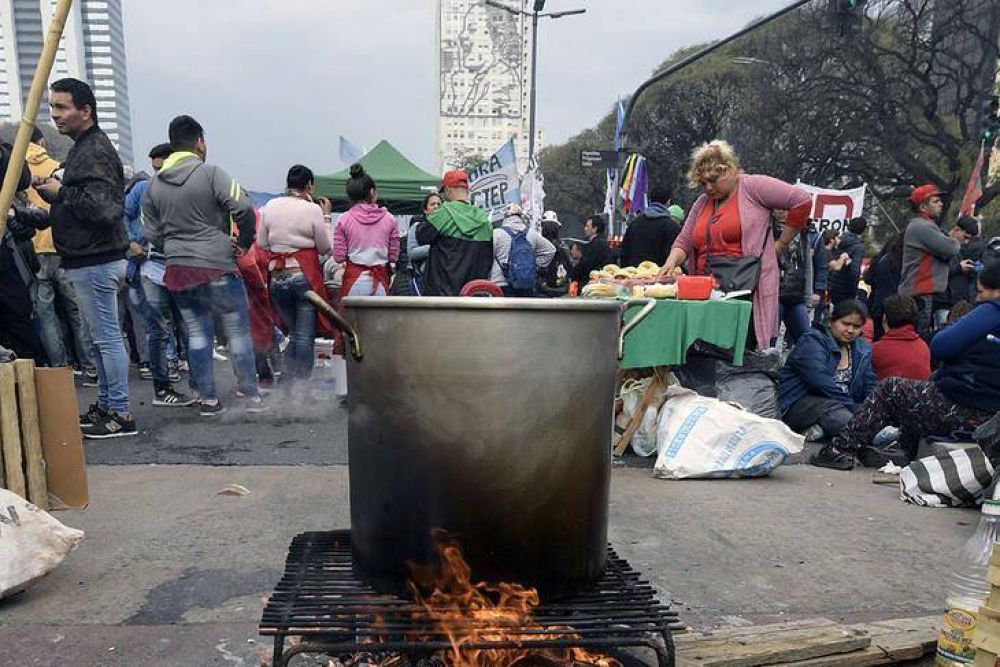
column 664, row 337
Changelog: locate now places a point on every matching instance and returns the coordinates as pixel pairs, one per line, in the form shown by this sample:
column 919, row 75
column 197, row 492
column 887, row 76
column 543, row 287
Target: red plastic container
column 695, row 288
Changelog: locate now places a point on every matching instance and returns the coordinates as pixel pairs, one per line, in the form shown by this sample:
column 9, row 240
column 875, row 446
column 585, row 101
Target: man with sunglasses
column 927, row 253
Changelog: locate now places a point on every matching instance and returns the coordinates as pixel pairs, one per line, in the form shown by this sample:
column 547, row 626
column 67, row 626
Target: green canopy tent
column 401, row 184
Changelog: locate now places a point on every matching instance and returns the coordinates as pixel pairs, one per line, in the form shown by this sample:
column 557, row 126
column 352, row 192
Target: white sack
column 704, row 437
column 32, row 542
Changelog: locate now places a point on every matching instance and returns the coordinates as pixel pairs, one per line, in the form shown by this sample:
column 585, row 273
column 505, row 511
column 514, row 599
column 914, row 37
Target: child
column 901, row 352
column 828, row 374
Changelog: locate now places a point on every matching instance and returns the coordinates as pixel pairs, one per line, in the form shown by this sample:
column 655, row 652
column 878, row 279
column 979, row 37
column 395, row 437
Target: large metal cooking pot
column 491, row 419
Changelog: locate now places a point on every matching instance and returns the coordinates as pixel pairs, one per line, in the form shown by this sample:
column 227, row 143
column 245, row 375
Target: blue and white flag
column 495, row 183
column 349, row 153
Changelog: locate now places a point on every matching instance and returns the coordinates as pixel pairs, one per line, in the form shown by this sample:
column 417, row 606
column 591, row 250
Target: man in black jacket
column 652, row 233
column 842, row 283
column 88, row 229
column 596, row 253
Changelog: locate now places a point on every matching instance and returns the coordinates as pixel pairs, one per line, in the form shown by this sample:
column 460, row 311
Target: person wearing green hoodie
column 200, row 218
column 460, row 237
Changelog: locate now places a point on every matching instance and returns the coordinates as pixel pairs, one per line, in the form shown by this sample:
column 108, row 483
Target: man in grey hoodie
column 200, row 218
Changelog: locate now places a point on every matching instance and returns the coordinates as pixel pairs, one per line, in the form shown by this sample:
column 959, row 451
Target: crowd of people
column 180, row 263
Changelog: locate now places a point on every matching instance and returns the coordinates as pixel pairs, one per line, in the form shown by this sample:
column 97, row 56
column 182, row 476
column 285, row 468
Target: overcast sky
column 276, row 82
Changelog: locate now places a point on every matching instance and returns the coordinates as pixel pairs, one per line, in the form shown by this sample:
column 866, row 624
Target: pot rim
column 483, row 303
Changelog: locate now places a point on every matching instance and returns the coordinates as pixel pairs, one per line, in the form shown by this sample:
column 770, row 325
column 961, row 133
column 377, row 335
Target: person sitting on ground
column 505, row 241
column 828, row 374
column 960, row 310
column 366, row 239
column 650, row 236
column 460, row 237
column 901, row 352
column 595, row 254
column 960, row 396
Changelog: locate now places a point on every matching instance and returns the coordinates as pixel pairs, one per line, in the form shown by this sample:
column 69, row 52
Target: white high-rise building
column 484, row 79
column 92, row 49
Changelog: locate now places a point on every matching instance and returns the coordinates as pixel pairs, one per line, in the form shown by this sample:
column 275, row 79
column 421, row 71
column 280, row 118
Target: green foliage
column 892, row 104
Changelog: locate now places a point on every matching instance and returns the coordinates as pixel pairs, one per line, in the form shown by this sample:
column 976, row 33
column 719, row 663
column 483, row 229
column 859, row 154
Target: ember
column 472, row 614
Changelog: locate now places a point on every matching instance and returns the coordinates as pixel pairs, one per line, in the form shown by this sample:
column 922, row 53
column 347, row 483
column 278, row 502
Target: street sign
column 599, row 159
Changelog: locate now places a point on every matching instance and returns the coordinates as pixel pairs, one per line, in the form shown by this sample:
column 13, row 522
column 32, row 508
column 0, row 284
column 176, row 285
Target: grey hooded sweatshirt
column 189, row 211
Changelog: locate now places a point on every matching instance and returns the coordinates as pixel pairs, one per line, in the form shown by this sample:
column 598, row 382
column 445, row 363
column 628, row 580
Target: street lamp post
column 535, row 14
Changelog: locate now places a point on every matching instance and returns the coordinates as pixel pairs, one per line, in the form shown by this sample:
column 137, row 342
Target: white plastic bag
column 643, row 441
column 32, row 542
column 704, row 437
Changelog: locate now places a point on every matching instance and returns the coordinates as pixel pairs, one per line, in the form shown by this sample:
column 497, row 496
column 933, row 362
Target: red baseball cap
column 923, row 193
column 456, row 178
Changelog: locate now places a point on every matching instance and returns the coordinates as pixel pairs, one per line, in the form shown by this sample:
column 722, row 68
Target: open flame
column 473, row 613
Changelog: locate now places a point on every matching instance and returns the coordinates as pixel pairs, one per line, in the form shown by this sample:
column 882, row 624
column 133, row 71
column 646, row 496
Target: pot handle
column 338, row 321
column 649, row 305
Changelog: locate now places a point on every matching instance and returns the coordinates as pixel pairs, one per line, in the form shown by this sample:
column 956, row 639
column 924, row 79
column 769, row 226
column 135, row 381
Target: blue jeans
column 97, row 290
column 796, row 319
column 51, row 283
column 225, row 298
column 162, row 347
column 299, row 315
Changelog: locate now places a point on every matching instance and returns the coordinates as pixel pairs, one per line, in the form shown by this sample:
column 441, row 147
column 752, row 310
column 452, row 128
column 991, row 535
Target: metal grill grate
column 326, row 608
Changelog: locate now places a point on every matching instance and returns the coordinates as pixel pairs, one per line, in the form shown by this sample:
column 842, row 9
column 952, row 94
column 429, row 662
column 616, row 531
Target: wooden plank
column 986, row 659
column 10, row 433
column 892, row 643
column 772, row 648
column 648, row 398
column 987, row 635
column 31, row 435
column 752, row 630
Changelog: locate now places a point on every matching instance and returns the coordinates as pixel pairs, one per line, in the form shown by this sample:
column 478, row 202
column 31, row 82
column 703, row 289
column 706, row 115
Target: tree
column 893, row 104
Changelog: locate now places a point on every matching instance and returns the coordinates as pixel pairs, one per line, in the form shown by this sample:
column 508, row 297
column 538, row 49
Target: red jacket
column 902, row 353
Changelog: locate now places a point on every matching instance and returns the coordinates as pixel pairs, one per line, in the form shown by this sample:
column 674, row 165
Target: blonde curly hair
column 711, row 160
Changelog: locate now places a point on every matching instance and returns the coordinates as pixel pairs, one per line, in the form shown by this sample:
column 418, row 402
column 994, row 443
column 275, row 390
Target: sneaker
column 93, row 415
column 878, row 457
column 173, row 399
column 182, row 366
column 265, row 386
column 211, row 409
column 173, row 374
column 815, row 433
column 255, row 405
column 831, row 457
column 145, row 372
column 218, row 355
column 112, row 426
column 90, row 377
column 77, row 371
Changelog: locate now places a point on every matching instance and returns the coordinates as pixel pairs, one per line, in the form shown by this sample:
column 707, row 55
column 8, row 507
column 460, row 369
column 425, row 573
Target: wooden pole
column 31, row 435
column 10, row 433
column 38, row 85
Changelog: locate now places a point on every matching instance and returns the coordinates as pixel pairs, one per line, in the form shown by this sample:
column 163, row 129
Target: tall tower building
column 484, row 79
column 92, row 49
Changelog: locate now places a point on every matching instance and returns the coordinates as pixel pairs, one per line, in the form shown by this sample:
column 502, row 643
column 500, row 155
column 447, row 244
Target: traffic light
column 991, row 120
column 848, row 13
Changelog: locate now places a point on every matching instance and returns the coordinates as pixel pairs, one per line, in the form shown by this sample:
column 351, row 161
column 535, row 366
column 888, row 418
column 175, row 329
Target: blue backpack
column 520, row 271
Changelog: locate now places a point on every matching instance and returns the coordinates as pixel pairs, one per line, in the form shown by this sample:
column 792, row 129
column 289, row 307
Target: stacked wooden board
column 812, row 643
column 987, row 637
column 22, row 465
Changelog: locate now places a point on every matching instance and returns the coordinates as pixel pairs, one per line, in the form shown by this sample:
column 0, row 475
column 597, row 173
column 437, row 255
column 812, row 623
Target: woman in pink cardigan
column 733, row 215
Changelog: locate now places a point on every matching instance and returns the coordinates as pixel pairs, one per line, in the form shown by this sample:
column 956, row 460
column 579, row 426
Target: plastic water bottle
column 967, row 591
